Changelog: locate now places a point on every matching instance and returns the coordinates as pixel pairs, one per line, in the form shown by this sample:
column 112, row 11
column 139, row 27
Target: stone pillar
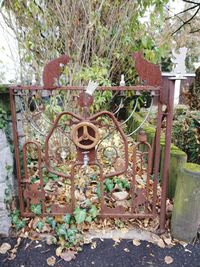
column 186, row 211
column 6, row 182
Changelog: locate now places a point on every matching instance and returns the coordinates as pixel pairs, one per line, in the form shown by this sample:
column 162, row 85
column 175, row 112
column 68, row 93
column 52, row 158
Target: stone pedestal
column 6, row 182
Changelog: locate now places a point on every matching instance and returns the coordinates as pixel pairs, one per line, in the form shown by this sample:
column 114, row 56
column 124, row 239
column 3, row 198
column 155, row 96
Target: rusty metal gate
column 61, row 150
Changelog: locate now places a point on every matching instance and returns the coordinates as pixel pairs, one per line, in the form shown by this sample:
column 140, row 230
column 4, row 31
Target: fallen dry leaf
column 38, row 246
column 168, row 259
column 68, row 255
column 51, row 261
column 59, row 251
column 184, row 244
column 87, row 240
column 136, row 242
column 117, row 241
column 168, row 241
column 160, row 243
column 93, row 245
column 187, row 250
column 4, row 248
column 11, row 257
column 50, row 239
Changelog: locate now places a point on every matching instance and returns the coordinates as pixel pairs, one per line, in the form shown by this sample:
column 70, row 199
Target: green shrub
column 186, row 134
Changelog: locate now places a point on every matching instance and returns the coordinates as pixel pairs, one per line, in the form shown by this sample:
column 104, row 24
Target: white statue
column 179, row 61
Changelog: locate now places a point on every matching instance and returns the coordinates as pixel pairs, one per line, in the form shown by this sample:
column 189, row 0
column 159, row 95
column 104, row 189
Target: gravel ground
column 125, row 254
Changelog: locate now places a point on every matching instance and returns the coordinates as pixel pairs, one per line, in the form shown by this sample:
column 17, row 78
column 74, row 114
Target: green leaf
column 61, row 230
column 37, row 209
column 51, row 222
column 45, row 180
column 53, row 176
column 88, row 219
column 66, row 218
column 40, row 225
column 71, row 232
column 98, row 191
column 110, row 187
column 20, row 224
column 80, row 215
column 125, row 184
column 93, row 211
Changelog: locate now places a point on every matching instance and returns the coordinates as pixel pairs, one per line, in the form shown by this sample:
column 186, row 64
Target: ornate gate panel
column 66, row 157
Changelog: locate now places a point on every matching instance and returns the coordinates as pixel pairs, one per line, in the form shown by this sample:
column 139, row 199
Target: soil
column 125, row 254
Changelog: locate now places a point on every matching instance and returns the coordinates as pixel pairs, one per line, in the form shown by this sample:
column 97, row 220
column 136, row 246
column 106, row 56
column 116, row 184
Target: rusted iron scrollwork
column 59, row 145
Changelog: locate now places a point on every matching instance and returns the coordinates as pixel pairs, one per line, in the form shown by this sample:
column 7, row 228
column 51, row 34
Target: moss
column 3, row 89
column 173, row 147
column 177, row 152
column 191, row 167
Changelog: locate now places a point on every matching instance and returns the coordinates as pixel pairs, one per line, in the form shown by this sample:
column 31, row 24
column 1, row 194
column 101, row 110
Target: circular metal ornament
column 85, row 135
column 110, row 152
column 119, row 164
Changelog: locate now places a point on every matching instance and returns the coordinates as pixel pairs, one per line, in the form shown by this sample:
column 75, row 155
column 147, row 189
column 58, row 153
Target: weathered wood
column 186, row 211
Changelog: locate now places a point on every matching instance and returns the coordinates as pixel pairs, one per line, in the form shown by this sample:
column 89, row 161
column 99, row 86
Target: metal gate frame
column 164, row 98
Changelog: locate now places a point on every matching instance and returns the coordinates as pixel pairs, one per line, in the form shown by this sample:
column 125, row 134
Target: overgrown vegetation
column 87, row 31
column 186, row 134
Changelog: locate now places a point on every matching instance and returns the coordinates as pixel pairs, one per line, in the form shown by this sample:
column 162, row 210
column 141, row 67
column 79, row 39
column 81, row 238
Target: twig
column 44, row 251
column 59, row 261
column 194, row 31
column 187, row 21
column 191, row 2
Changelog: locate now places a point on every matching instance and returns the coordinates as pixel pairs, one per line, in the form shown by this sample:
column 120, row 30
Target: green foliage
column 16, row 221
column 3, row 118
column 36, row 209
column 107, row 36
column 80, row 215
column 110, row 183
column 67, row 218
column 40, row 225
column 51, row 222
column 186, row 134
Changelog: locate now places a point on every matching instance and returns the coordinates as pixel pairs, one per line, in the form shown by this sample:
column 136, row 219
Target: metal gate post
column 16, row 147
column 165, row 178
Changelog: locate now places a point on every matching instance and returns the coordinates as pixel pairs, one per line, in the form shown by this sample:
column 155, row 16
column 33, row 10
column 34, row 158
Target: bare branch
column 194, row 31
column 191, row 2
column 187, row 21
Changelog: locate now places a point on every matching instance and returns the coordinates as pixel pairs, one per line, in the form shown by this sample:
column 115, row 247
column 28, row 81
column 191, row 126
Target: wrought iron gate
column 60, row 153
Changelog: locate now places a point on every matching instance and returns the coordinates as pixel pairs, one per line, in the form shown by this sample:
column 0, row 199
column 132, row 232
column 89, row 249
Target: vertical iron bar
column 16, row 148
column 157, row 155
column 165, row 178
column 26, row 175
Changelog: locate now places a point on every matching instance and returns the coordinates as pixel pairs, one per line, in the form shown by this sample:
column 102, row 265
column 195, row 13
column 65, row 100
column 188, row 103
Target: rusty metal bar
column 16, row 148
column 165, row 178
column 81, row 88
column 156, row 147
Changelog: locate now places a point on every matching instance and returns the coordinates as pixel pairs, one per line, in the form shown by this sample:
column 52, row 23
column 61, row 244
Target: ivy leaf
column 37, row 209
column 45, row 180
column 99, row 190
column 125, row 184
column 51, row 221
column 40, row 225
column 93, row 211
column 20, row 224
column 15, row 218
column 88, row 219
column 53, row 176
column 61, row 230
column 80, row 215
column 67, row 218
column 110, row 186
column 71, row 232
